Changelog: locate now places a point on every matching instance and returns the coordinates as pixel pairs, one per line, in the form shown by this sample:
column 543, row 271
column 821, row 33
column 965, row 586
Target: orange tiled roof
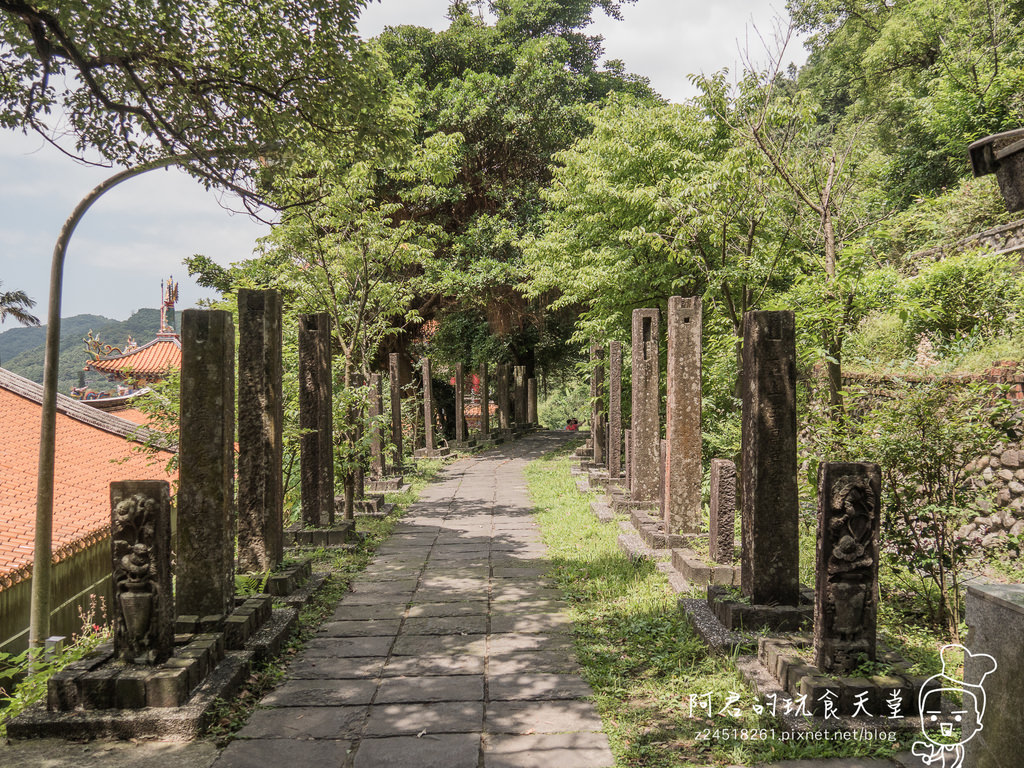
column 150, row 360
column 134, row 415
column 88, row 441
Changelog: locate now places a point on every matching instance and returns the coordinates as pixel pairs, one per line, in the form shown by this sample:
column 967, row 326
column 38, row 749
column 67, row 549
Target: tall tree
column 16, row 304
column 516, row 91
column 220, row 85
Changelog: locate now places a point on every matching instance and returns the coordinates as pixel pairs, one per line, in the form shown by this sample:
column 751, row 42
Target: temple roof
column 89, row 442
column 150, row 361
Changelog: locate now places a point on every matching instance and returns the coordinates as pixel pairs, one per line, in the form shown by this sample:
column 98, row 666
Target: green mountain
column 22, row 339
column 22, row 353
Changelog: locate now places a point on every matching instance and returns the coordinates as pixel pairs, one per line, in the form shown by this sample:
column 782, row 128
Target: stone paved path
column 452, row 649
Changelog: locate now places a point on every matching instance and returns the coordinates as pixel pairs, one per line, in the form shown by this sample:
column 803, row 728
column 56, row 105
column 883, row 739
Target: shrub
column 923, row 435
column 974, row 293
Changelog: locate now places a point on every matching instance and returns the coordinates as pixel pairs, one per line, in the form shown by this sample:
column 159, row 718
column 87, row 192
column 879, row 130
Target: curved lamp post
column 39, row 614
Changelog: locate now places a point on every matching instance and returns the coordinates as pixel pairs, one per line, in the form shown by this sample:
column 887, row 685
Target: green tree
column 516, row 91
column 218, row 84
column 930, row 75
column 16, row 304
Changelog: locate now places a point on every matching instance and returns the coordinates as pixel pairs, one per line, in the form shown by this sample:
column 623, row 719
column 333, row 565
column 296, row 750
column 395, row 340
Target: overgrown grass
column 640, row 654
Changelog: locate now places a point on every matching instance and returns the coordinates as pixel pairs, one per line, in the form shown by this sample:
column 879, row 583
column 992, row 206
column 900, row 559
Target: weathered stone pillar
column 628, row 441
column 846, row 571
column 645, row 432
column 721, row 537
column 316, row 446
column 682, row 416
column 394, row 372
column 995, row 622
column 143, row 608
column 504, row 413
column 663, row 479
column 260, row 419
column 614, row 409
column 597, row 422
column 460, row 404
column 376, row 433
column 485, row 402
column 531, row 401
column 206, row 465
column 520, row 394
column 769, row 572
column 428, row 407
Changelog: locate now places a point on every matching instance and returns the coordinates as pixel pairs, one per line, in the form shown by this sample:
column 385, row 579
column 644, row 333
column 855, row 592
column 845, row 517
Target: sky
column 139, row 233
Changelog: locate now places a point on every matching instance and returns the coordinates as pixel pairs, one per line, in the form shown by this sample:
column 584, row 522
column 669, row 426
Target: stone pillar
column 394, row 372
column 614, row 447
column 143, row 607
column 682, row 416
column 663, row 479
column 531, row 401
column 597, row 422
column 846, row 570
column 628, row 441
column 769, row 572
column 260, row 419
column 485, row 402
column 721, row 538
column 460, row 404
column 995, row 622
column 376, row 433
column 428, row 408
column 520, row 394
column 645, row 432
column 504, row 413
column 206, row 465
column 316, row 446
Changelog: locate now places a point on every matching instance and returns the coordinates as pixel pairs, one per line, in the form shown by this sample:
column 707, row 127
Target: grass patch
column 644, row 662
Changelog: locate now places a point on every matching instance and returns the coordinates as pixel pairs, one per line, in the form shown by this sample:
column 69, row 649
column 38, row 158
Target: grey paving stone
column 438, row 595
column 541, row 717
column 536, row 687
column 438, row 645
column 304, row 723
column 461, row 664
column 348, row 646
column 545, row 662
column 445, row 625
column 363, row 586
column 260, row 753
column 361, row 612
column 531, row 623
column 507, row 642
column 429, row 689
column 322, row 692
column 455, row 583
column 412, row 719
column 336, row 668
column 398, row 599
column 450, row 750
column 566, row 750
column 463, row 608
column 359, row 628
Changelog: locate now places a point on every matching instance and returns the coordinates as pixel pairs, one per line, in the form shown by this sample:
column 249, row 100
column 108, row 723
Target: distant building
column 134, row 368
column 93, row 449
